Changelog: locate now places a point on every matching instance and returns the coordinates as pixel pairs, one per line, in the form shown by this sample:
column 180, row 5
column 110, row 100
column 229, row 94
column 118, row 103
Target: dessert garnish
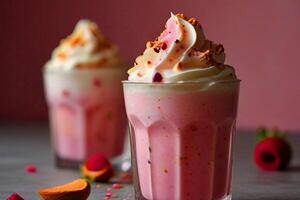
column 180, row 53
column 97, row 168
column 14, row 196
column 30, row 168
column 272, row 152
column 86, row 48
column 117, row 186
column 75, row 190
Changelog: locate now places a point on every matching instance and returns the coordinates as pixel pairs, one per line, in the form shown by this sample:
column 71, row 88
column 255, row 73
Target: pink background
column 261, row 39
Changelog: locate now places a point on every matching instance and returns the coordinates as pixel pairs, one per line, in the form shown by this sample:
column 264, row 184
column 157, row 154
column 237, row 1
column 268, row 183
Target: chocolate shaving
column 193, row 21
column 219, row 49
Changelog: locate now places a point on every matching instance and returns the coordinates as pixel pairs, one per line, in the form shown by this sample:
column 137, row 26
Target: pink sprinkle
column 117, row 185
column 31, row 168
column 97, row 82
column 66, row 93
column 14, row 196
column 108, row 194
column 108, row 190
column 106, row 198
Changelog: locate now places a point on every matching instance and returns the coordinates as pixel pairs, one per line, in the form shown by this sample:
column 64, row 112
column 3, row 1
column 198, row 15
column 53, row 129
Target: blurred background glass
column 260, row 40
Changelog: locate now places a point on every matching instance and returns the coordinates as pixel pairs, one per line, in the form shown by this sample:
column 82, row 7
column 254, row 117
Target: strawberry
column 272, row 152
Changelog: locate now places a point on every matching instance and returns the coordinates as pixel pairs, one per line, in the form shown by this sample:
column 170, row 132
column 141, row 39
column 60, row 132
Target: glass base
column 66, row 163
column 140, row 197
column 229, row 197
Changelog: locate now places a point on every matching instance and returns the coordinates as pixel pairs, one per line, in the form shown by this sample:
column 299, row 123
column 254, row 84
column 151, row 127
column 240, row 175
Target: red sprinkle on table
column 14, row 196
column 31, row 168
column 125, row 176
column 117, row 185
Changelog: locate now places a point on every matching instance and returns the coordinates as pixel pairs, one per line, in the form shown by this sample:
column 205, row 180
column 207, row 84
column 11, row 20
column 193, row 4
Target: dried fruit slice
column 97, row 168
column 100, row 175
column 75, row 190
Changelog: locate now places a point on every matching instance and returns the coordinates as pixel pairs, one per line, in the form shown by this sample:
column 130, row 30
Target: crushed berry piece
column 117, row 185
column 163, row 46
column 108, row 194
column 97, row 83
column 30, row 168
column 157, row 77
column 14, row 196
column 125, row 176
column 66, row 93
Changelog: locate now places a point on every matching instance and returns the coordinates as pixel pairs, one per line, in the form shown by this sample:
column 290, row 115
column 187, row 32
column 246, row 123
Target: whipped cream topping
column 181, row 53
column 85, row 48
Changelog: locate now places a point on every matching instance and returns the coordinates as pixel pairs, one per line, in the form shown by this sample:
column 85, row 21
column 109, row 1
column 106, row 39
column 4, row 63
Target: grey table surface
column 21, row 144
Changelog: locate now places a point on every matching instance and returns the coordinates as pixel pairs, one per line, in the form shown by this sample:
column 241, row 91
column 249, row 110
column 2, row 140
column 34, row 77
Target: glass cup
column 86, row 113
column 181, row 138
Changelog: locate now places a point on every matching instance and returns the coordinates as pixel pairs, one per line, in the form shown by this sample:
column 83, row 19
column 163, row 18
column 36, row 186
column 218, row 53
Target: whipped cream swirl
column 181, row 53
column 85, row 48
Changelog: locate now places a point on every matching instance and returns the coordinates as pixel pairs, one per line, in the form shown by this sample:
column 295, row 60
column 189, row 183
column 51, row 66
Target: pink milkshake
column 84, row 94
column 181, row 101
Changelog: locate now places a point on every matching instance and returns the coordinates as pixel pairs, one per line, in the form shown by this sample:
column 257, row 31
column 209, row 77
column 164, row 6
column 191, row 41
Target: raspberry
column 97, row 162
column 272, row 153
column 14, row 196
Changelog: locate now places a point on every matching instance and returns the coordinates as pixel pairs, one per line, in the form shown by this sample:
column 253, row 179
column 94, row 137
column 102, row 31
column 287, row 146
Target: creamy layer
column 85, row 48
column 181, row 53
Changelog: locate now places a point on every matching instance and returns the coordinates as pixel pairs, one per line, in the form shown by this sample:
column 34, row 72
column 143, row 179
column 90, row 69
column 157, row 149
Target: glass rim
column 127, row 82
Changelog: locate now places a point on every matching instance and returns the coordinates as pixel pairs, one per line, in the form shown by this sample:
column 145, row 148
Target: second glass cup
column 87, row 114
column 181, row 138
